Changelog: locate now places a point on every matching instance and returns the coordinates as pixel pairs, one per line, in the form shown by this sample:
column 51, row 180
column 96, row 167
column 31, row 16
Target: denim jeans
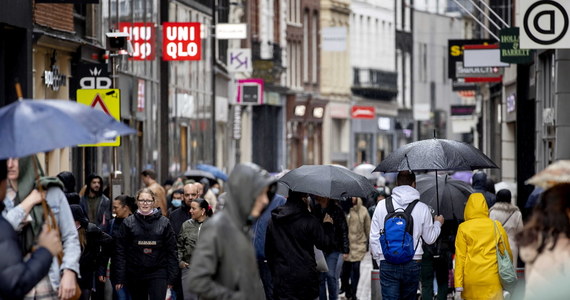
column 265, row 275
column 330, row 278
column 350, row 272
column 400, row 282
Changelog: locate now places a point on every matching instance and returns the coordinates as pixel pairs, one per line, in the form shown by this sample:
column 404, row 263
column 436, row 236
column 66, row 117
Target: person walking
column 259, row 238
column 358, row 232
column 149, row 179
column 187, row 239
column 545, row 246
column 479, row 184
column 223, row 263
column 401, row 280
column 19, row 276
column 292, row 235
column 182, row 214
column 123, row 207
column 146, row 251
column 62, row 277
column 476, row 267
column 96, row 247
column 510, row 217
column 340, row 245
column 96, row 205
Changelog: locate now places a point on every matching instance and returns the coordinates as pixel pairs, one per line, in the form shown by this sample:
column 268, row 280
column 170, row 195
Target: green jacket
column 187, row 239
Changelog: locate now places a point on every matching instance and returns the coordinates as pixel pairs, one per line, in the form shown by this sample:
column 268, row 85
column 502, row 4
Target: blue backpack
column 397, row 237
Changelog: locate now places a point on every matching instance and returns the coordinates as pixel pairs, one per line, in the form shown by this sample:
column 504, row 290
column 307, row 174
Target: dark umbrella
column 436, row 155
column 32, row 126
column 453, row 194
column 328, row 181
column 213, row 170
column 197, row 175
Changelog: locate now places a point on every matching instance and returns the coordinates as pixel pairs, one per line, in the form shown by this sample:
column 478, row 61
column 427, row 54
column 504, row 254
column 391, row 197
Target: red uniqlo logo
column 181, row 41
column 142, row 37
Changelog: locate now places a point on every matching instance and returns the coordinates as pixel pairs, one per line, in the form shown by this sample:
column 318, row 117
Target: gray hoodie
column 224, row 264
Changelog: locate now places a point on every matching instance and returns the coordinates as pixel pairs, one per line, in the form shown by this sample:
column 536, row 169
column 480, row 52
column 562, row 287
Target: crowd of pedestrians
column 248, row 242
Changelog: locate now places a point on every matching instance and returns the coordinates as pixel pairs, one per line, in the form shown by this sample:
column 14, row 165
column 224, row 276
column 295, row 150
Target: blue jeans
column 400, row 282
column 330, row 278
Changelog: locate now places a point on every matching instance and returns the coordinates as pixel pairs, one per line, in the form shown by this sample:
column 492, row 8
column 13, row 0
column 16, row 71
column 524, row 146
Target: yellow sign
column 106, row 100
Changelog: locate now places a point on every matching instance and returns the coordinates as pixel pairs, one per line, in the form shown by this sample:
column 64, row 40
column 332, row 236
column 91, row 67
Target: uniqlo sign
column 181, row 41
column 142, row 37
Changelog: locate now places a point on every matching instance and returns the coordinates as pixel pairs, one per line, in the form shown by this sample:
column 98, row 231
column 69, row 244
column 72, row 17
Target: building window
column 315, row 39
column 306, row 46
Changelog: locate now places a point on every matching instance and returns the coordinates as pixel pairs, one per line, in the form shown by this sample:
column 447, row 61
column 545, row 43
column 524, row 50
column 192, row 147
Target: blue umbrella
column 213, row 170
column 33, row 126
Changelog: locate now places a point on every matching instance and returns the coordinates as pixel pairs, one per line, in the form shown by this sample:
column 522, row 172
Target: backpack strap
column 389, row 205
column 411, row 206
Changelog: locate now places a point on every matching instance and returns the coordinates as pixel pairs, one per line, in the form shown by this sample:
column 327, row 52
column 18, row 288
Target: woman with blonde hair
column 146, row 251
column 476, row 267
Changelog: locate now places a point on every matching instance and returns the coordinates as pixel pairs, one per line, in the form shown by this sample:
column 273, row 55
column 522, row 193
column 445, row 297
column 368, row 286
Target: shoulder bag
column 507, row 273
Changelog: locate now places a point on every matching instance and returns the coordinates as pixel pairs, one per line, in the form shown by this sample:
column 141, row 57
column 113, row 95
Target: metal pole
column 479, row 22
column 214, row 44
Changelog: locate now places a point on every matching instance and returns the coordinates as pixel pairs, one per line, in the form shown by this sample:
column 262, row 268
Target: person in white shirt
column 400, row 281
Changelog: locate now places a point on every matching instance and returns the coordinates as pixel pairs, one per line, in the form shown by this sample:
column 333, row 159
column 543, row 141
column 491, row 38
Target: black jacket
column 114, row 231
column 95, row 255
column 340, row 234
column 289, row 248
column 18, row 277
column 146, row 249
column 179, row 216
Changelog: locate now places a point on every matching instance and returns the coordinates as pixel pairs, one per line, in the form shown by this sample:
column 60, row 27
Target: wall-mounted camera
column 117, row 41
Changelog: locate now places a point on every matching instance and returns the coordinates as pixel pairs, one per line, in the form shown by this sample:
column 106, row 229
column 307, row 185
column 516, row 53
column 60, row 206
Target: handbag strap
column 500, row 239
column 509, row 218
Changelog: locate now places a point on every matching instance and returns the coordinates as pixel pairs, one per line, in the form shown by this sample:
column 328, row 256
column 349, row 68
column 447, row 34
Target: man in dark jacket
column 291, row 237
column 96, row 206
column 340, row 244
column 18, row 277
column 223, row 263
column 182, row 214
column 259, row 234
column 479, row 184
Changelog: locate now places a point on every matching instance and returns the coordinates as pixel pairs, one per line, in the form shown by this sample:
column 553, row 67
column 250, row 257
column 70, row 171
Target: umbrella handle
column 437, row 192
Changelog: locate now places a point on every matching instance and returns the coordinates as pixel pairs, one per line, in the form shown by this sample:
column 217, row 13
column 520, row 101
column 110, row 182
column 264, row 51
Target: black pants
column 265, row 275
column 143, row 289
column 350, row 272
column 440, row 266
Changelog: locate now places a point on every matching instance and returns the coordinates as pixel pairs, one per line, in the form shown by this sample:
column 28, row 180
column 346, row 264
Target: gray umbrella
column 434, row 155
column 453, row 194
column 328, row 181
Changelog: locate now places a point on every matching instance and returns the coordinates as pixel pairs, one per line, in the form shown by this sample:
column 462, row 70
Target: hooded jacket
column 511, row 218
column 105, row 209
column 224, row 264
column 476, row 270
column 358, row 231
column 292, row 235
column 68, row 181
column 480, row 186
column 424, row 226
column 146, row 249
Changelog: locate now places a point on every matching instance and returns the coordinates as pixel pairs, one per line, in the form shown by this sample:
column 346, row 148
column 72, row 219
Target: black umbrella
column 435, row 155
column 197, row 175
column 328, row 181
column 453, row 194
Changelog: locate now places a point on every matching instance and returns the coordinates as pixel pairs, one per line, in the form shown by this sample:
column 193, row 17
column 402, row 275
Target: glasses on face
column 145, row 201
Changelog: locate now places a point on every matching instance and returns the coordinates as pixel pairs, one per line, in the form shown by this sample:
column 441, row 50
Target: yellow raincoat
column 476, row 269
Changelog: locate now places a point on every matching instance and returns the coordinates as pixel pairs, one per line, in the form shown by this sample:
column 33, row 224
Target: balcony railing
column 375, row 84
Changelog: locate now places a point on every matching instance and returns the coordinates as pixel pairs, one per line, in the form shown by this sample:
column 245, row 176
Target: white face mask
column 215, row 190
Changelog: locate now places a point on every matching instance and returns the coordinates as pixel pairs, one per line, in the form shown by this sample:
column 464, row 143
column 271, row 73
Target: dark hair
column 3, row 169
column 549, row 219
column 504, row 195
column 128, row 201
column 490, row 185
column 205, row 205
column 405, row 178
column 178, row 191
column 150, row 173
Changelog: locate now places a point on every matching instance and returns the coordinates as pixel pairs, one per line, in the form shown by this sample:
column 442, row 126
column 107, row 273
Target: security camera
column 117, row 41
